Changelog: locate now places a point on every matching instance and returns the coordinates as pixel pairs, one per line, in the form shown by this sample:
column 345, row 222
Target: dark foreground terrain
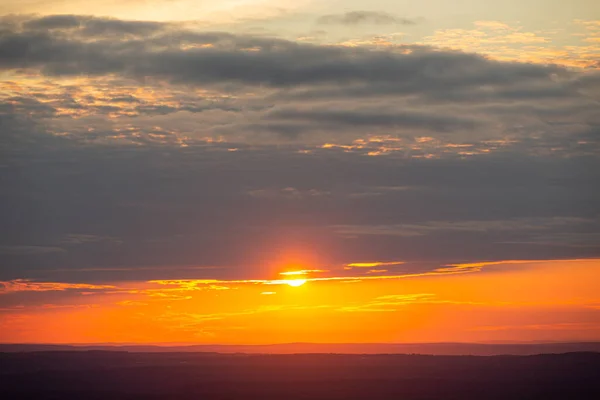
column 121, row 375
column 444, row 349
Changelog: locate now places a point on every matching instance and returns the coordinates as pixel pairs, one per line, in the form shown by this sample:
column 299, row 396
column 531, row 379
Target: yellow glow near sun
column 296, row 282
column 303, row 272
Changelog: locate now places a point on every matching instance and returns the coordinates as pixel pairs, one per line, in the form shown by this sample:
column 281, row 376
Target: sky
column 252, row 171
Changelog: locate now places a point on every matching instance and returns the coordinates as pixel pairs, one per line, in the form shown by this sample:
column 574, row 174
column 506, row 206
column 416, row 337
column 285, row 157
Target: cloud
column 390, row 303
column 94, row 26
column 374, row 264
column 303, row 272
column 504, row 41
column 250, row 88
column 361, row 118
column 55, row 22
column 29, row 250
column 344, row 275
column 24, row 285
column 456, row 208
column 353, row 18
column 216, row 57
column 560, row 326
column 287, row 193
column 75, row 239
column 149, row 150
column 524, row 224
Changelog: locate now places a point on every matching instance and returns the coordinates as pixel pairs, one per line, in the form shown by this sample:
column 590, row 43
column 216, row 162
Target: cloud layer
column 136, row 150
column 364, row 17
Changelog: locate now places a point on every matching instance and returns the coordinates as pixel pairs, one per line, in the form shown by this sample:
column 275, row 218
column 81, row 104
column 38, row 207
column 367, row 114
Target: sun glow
column 296, row 282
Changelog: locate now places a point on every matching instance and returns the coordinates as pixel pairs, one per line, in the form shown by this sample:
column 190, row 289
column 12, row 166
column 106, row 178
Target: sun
column 296, row 282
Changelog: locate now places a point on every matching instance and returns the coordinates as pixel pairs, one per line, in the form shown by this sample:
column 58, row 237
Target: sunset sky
column 260, row 171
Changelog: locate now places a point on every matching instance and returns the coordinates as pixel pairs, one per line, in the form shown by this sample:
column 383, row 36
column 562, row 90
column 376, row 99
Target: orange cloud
column 24, row 285
column 302, row 272
column 506, row 42
column 374, row 264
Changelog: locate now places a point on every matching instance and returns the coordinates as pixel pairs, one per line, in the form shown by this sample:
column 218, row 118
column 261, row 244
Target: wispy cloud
column 374, row 264
column 24, row 285
column 559, row 326
column 505, row 41
column 29, row 250
column 431, row 227
column 353, row 18
column 303, row 272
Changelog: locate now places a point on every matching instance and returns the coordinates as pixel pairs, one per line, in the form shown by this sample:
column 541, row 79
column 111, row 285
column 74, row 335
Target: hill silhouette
column 191, row 375
column 476, row 349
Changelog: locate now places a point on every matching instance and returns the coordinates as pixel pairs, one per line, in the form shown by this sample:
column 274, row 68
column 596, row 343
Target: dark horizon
column 441, row 348
column 158, row 376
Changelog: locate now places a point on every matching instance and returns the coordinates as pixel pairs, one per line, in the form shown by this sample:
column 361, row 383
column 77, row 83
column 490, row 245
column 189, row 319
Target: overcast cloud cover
column 134, row 150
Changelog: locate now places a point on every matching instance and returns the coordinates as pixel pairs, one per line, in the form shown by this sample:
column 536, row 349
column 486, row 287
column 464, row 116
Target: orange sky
column 512, row 300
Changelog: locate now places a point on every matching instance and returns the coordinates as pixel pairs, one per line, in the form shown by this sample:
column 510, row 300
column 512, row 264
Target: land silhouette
column 475, row 349
column 187, row 374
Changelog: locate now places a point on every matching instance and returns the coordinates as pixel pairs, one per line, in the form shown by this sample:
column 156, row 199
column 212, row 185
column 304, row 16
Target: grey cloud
column 459, row 91
column 75, row 239
column 190, row 206
column 94, row 26
column 283, row 73
column 286, row 193
column 105, row 26
column 291, row 72
column 125, row 99
column 356, row 118
column 483, row 226
column 26, row 106
column 159, row 184
column 284, row 129
column 364, row 17
column 563, row 239
column 18, row 250
column 55, row 22
column 276, row 63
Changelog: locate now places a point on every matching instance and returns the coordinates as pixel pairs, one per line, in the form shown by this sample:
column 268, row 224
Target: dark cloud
column 254, row 61
column 94, row 26
column 125, row 99
column 364, row 17
column 55, row 22
column 185, row 148
column 288, row 72
column 161, row 205
column 362, row 118
column 26, row 106
column 29, row 250
column 105, row 26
